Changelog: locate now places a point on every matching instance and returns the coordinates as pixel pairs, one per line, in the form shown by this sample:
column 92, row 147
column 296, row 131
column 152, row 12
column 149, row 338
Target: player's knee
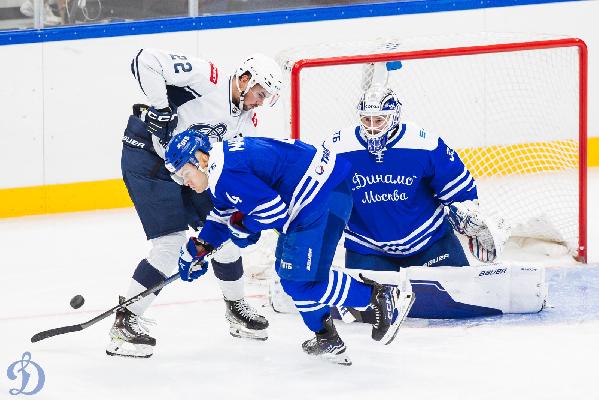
column 228, row 253
column 165, row 251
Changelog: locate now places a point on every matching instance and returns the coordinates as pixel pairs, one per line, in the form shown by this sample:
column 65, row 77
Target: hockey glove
column 240, row 235
column 192, row 264
column 161, row 123
column 486, row 236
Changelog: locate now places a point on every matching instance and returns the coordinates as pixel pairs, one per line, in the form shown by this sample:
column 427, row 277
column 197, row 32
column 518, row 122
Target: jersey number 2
column 185, row 67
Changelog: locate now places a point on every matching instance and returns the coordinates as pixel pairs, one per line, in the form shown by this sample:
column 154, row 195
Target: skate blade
column 244, row 333
column 123, row 349
column 405, row 304
column 340, row 359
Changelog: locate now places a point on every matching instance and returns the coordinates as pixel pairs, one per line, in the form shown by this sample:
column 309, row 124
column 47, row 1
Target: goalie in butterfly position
column 301, row 191
column 411, row 195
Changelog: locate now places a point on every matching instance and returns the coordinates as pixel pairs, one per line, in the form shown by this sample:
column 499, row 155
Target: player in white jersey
column 184, row 92
column 411, row 194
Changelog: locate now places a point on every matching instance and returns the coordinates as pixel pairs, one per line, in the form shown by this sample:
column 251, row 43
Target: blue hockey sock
column 313, row 299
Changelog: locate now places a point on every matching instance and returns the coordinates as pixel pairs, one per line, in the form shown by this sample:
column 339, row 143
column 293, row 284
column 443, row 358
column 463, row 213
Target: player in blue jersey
column 184, row 91
column 411, row 194
column 301, row 191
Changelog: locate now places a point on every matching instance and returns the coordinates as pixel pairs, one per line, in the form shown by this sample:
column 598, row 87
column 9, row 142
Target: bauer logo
column 28, row 374
column 493, row 272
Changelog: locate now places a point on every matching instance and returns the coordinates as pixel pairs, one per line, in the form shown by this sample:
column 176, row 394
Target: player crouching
column 302, row 192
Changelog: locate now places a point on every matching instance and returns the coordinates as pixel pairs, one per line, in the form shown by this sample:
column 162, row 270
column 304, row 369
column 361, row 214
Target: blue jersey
column 399, row 194
column 276, row 184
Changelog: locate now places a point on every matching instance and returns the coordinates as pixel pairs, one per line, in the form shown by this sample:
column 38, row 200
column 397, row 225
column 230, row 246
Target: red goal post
column 541, row 84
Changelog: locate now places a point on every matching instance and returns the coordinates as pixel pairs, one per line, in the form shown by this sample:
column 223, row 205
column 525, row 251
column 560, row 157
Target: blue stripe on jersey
column 178, row 95
column 136, row 71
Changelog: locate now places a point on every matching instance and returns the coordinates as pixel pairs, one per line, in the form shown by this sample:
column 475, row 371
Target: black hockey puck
column 77, row 301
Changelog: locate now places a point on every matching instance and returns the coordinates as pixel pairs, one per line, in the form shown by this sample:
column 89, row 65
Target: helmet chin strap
column 242, row 93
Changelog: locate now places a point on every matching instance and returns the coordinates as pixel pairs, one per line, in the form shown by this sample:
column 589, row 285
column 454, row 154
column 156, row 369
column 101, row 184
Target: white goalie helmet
column 265, row 71
column 379, row 112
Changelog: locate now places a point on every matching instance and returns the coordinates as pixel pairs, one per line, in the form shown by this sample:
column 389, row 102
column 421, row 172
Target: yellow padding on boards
column 68, row 197
column 491, row 161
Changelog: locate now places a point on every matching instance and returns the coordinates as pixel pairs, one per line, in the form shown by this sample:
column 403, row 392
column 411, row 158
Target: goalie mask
column 379, row 111
column 266, row 72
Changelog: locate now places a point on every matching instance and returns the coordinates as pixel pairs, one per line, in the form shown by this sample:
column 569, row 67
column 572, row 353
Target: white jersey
column 193, row 86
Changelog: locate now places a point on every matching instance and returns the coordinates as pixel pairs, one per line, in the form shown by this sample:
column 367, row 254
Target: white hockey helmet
column 265, row 71
column 379, row 111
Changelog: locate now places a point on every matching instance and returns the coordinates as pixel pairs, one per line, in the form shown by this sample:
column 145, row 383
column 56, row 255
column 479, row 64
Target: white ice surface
column 46, row 260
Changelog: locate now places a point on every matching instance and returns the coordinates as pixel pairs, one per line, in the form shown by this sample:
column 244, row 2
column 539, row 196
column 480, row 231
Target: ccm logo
column 255, row 120
column 213, row 74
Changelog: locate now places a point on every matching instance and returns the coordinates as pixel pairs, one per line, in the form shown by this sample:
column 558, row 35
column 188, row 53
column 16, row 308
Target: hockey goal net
column 514, row 109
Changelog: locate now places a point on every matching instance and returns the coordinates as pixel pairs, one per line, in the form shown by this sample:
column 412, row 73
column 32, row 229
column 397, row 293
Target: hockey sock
column 144, row 276
column 230, row 278
column 312, row 299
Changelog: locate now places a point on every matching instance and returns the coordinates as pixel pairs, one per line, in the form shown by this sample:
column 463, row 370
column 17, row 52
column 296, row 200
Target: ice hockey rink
column 48, row 259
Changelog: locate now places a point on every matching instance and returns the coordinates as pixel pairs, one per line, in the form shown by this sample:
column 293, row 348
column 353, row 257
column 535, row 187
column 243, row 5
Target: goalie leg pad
column 448, row 292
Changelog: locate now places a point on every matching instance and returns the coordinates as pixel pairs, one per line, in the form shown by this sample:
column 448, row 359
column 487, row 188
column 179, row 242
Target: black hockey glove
column 161, row 123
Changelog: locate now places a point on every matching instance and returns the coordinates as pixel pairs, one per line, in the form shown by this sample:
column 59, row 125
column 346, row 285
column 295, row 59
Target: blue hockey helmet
column 379, row 111
column 182, row 149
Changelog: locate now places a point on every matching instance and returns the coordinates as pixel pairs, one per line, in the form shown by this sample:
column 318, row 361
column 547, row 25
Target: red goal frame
column 472, row 50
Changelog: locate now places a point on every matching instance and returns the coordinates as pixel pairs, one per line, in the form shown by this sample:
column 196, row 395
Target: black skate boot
column 129, row 335
column 244, row 320
column 390, row 306
column 327, row 345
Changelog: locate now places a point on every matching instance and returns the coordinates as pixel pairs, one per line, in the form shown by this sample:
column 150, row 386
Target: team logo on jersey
column 255, row 120
column 213, row 74
column 324, row 160
column 215, row 133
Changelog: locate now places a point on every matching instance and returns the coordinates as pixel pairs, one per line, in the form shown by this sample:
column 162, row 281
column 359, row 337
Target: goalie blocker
column 450, row 292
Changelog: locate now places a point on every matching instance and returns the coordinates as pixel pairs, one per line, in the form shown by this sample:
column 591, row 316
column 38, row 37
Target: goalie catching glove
column 486, row 236
column 192, row 263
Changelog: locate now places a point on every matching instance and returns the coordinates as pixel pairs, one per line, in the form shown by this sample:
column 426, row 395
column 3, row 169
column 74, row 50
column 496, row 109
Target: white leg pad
column 511, row 289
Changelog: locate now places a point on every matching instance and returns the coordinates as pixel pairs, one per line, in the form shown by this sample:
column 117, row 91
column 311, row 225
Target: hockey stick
column 75, row 328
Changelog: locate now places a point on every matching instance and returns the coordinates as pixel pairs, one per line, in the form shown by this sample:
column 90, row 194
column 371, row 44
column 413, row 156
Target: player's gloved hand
column 192, row 264
column 240, row 235
column 161, row 123
column 486, row 235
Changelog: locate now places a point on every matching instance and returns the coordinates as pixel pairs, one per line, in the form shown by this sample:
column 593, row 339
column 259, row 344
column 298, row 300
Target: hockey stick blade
column 75, row 328
column 54, row 332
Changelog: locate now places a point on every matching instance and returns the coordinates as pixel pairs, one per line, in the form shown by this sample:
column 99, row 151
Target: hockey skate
column 327, row 345
column 390, row 306
column 244, row 320
column 129, row 335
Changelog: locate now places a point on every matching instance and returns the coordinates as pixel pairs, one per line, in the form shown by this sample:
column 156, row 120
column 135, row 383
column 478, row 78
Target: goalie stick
column 78, row 327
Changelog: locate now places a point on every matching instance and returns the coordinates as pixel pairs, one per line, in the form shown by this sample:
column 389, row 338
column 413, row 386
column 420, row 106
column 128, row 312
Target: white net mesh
column 512, row 116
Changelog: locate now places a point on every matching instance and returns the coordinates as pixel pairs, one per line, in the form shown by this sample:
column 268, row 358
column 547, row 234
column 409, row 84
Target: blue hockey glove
column 240, row 235
column 192, row 263
column 161, row 123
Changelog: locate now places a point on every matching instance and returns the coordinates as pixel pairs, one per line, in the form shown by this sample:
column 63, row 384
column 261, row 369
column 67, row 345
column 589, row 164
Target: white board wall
column 64, row 104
